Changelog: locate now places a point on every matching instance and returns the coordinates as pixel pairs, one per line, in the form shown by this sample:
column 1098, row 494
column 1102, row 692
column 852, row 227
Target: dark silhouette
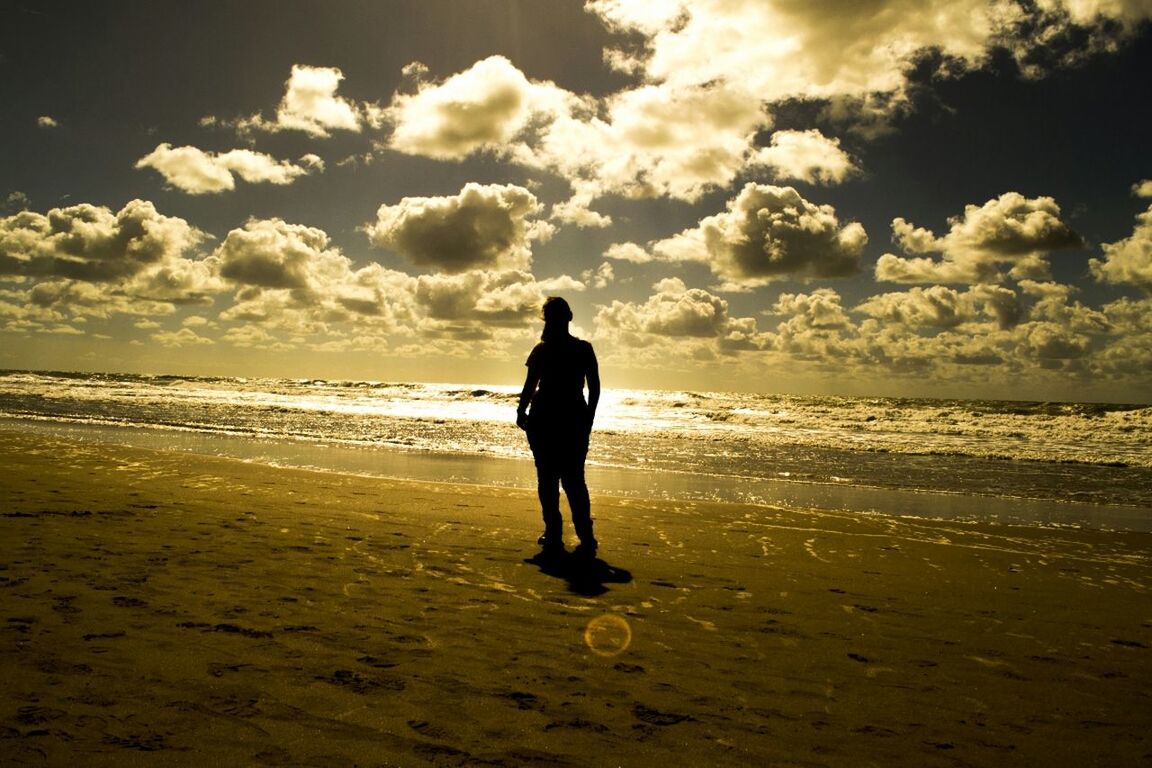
column 558, row 423
column 586, row 577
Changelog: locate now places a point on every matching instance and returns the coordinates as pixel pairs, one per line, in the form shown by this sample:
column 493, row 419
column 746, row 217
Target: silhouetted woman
column 558, row 421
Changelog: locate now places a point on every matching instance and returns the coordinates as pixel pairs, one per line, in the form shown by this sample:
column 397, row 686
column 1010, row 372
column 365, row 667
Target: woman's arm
column 531, row 381
column 593, row 377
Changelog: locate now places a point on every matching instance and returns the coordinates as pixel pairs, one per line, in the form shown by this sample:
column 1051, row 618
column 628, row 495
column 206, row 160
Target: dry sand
column 176, row 610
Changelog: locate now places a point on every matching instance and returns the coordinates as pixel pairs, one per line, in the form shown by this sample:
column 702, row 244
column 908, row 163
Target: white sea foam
column 1058, row 451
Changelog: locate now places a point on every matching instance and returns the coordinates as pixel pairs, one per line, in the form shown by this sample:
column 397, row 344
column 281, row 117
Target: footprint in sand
column 358, row 683
column 38, row 715
column 424, row 728
column 656, row 717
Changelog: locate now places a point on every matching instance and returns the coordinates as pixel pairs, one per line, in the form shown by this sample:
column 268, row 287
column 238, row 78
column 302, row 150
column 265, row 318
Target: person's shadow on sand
column 586, row 576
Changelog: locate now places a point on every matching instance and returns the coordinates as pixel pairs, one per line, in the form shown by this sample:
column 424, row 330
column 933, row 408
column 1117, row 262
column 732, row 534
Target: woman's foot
column 586, row 549
column 550, row 542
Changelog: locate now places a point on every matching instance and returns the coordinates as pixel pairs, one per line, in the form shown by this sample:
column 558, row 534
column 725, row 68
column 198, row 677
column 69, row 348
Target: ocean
column 1025, row 463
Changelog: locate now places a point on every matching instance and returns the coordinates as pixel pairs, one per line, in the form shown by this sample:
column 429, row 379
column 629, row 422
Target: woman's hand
column 522, row 420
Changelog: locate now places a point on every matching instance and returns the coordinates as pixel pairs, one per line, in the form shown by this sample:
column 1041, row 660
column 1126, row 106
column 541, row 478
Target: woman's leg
column 576, row 489
column 548, row 490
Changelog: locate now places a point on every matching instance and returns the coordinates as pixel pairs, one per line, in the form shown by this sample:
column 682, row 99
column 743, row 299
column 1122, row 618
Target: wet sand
column 176, row 610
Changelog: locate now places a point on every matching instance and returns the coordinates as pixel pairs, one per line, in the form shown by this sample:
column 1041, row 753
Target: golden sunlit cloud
column 769, row 233
column 197, row 172
column 1010, row 230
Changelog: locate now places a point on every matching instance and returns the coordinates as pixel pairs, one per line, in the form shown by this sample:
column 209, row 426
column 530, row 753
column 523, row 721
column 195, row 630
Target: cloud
column 16, row 201
column 1010, row 230
column 944, row 308
column 769, row 233
column 657, row 141
column 198, row 172
column 185, row 337
column 1050, row 344
column 48, row 122
column 1129, row 260
column 310, row 104
column 779, row 49
column 601, row 277
column 644, row 142
column 480, row 299
column 486, row 107
column 807, row 156
column 271, row 253
column 93, row 244
column 63, row 301
column 628, row 252
column 86, row 261
column 707, row 76
column 483, row 227
column 959, row 336
column 675, row 311
column 820, row 309
column 289, row 277
column 814, row 327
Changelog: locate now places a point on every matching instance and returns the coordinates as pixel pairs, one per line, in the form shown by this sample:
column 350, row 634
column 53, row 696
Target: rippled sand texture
column 166, row 609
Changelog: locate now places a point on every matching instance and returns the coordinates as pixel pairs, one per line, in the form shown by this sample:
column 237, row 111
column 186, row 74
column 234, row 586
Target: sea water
column 1015, row 462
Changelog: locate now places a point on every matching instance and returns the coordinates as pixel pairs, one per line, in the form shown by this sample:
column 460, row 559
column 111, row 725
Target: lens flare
column 608, row 635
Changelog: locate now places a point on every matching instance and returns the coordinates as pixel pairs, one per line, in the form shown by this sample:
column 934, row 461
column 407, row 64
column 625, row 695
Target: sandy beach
column 168, row 609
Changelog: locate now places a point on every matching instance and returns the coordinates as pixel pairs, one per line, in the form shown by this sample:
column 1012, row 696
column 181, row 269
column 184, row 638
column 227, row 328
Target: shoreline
column 172, row 609
column 400, row 463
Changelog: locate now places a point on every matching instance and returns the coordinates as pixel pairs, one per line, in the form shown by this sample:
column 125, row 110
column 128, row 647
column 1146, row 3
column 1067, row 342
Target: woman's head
column 557, row 315
column 556, row 311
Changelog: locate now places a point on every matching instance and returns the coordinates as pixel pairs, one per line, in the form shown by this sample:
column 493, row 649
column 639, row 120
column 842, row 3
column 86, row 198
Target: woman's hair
column 557, row 315
column 557, row 310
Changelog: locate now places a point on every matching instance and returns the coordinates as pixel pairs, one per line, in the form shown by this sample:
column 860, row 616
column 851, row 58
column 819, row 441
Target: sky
column 854, row 197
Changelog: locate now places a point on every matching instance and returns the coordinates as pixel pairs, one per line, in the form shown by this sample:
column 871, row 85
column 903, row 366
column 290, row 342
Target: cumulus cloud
column 955, row 335
column 779, row 49
column 628, row 252
column 821, row 309
column 271, row 253
column 486, row 107
column 15, row 201
column 601, row 277
column 1010, row 230
column 676, row 311
column 707, row 76
column 813, row 327
column 944, row 308
column 291, row 277
column 1129, row 260
column 483, row 227
column 646, row 141
column 657, row 141
column 774, row 46
column 87, row 261
column 310, row 104
column 479, row 299
column 185, row 337
column 91, row 243
column 198, row 172
column 807, row 156
column 769, row 233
